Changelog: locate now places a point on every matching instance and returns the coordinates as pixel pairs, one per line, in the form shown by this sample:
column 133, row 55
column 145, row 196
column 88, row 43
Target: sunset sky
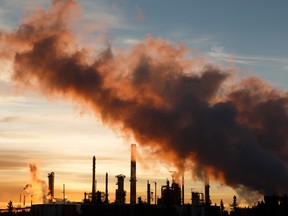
column 61, row 134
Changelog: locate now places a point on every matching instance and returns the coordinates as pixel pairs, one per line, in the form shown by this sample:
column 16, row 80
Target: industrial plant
column 169, row 203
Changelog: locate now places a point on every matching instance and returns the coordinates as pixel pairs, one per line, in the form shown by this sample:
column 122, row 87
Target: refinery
column 169, row 203
column 179, row 83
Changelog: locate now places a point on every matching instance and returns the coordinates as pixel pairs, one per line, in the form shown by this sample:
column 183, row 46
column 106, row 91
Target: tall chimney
column 93, row 180
column 133, row 175
column 106, row 188
column 148, row 193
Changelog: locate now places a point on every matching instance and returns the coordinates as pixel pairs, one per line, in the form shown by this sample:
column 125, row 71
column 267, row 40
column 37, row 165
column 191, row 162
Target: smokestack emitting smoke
column 133, row 175
column 182, row 108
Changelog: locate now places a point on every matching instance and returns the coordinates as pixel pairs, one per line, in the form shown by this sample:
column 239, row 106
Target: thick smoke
column 180, row 108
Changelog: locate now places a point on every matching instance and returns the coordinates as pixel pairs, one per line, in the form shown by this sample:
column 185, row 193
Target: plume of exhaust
column 37, row 187
column 26, row 188
column 183, row 109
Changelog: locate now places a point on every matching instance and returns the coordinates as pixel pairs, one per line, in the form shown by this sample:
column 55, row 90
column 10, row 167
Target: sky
column 62, row 135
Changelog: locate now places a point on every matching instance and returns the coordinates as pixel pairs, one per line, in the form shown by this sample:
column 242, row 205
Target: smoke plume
column 37, row 188
column 27, row 186
column 182, row 108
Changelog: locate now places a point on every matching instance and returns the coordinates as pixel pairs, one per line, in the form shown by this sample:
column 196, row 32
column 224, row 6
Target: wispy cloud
column 220, row 54
column 191, row 38
column 105, row 15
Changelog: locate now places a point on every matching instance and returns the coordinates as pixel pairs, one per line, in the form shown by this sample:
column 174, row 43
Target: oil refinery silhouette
column 170, row 203
column 166, row 98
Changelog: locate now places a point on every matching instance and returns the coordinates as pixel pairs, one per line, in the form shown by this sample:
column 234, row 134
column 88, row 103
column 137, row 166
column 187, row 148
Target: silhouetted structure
column 170, row 195
column 183, row 189
column 171, row 202
column 207, row 195
column 155, row 193
column 197, row 198
column 51, row 177
column 93, row 180
column 133, row 175
column 106, row 188
column 148, row 193
column 120, row 192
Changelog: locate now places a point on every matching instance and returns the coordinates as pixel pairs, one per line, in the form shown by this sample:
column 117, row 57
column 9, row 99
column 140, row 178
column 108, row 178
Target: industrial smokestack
column 106, row 188
column 133, row 175
column 51, row 177
column 93, row 180
column 207, row 194
column 148, row 193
